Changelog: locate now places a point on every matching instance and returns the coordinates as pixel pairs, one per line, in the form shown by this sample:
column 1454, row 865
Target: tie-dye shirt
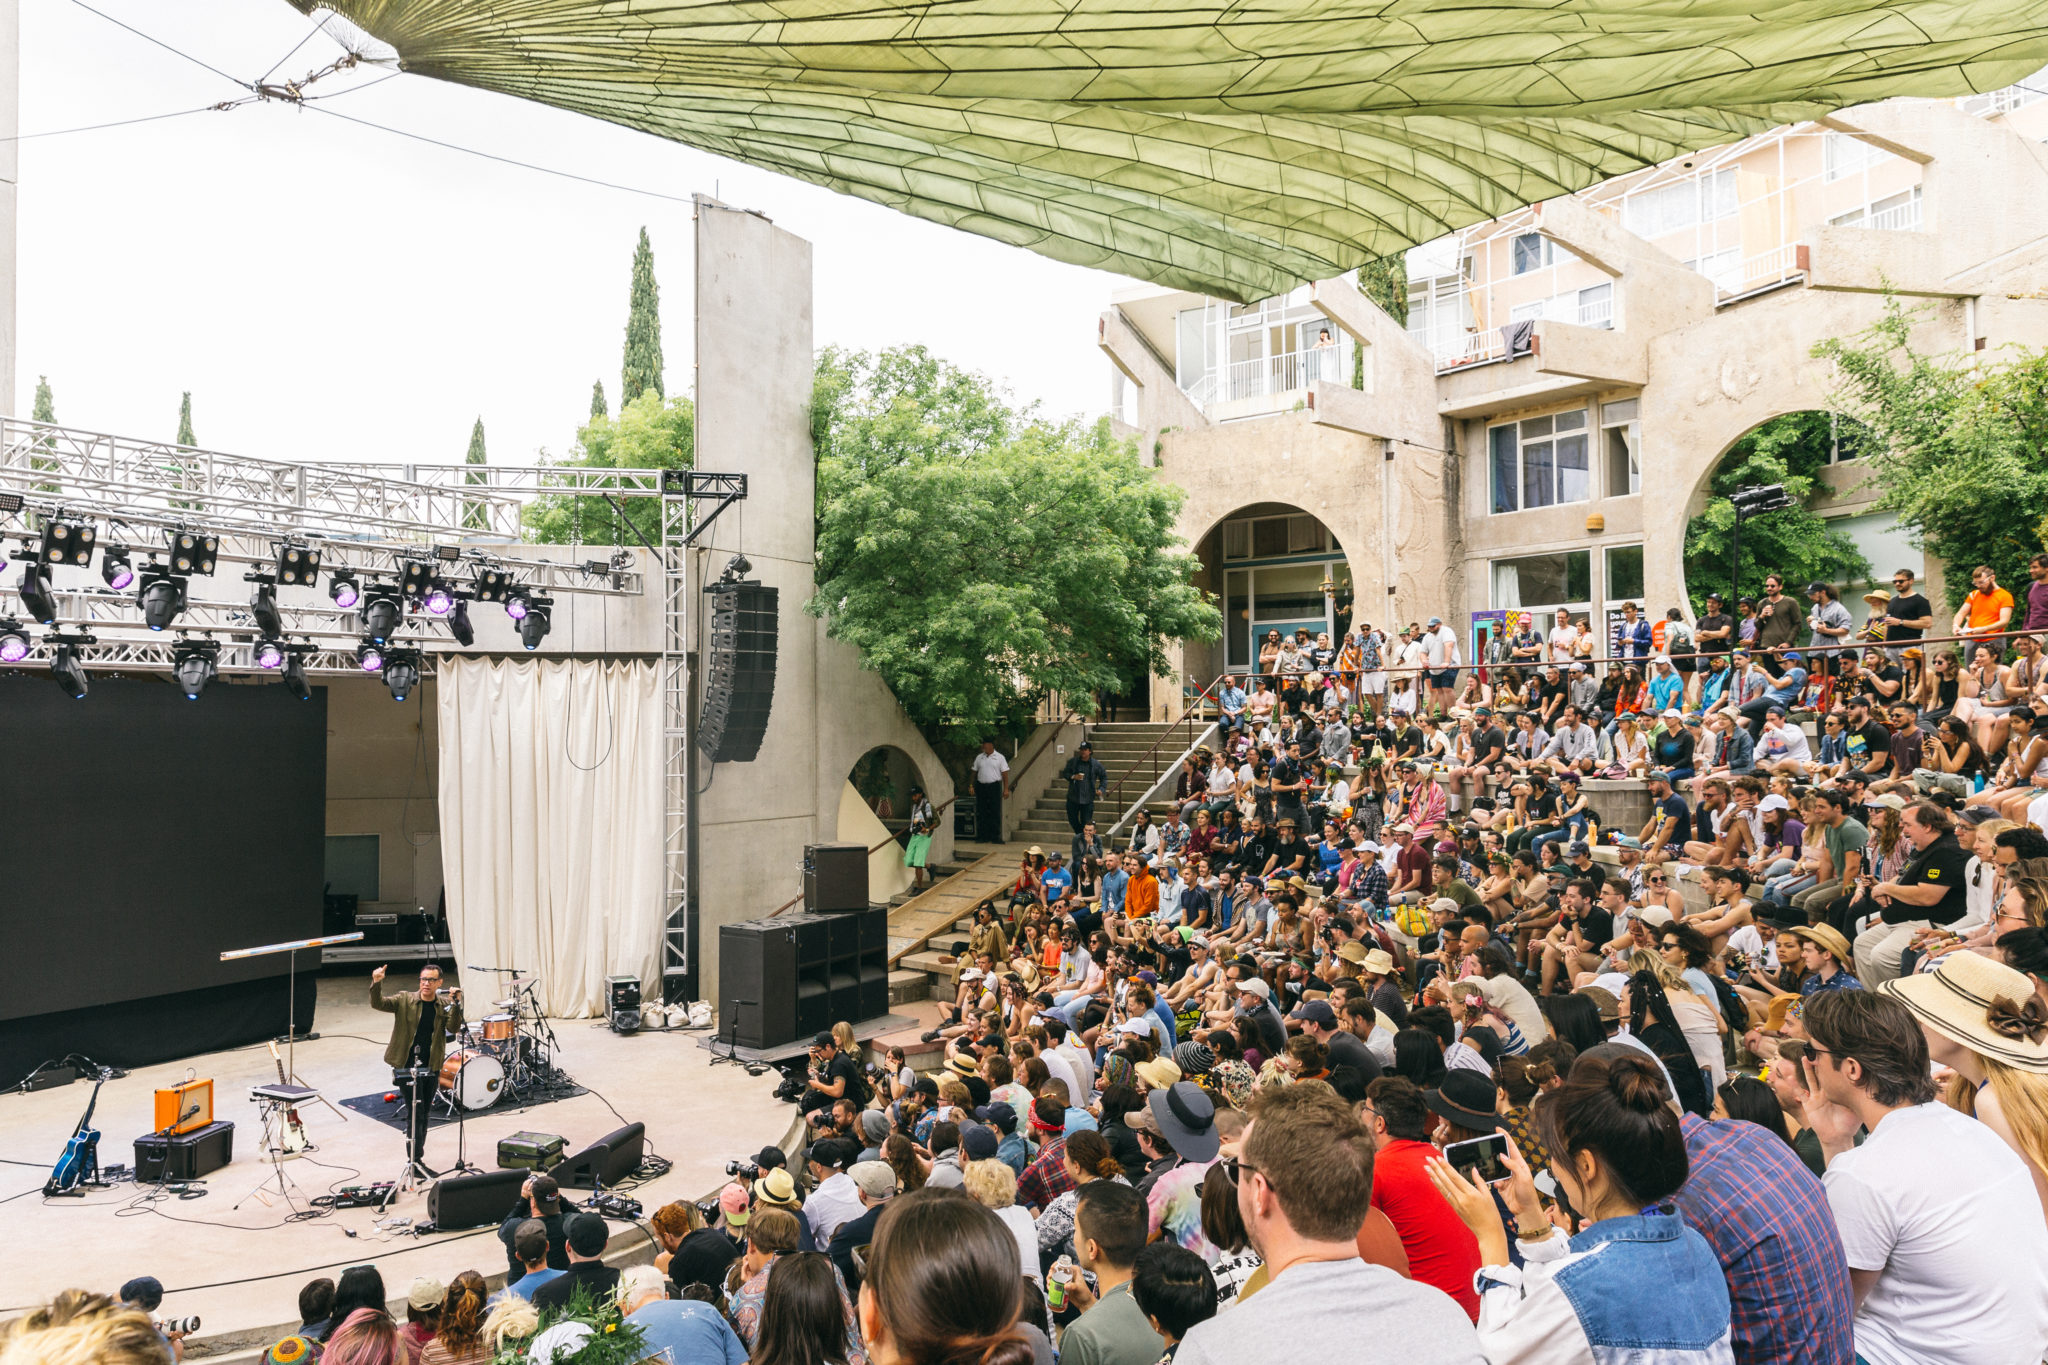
column 1174, row 1206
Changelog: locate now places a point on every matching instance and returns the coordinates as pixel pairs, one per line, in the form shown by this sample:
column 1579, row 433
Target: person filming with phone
column 1617, row 1156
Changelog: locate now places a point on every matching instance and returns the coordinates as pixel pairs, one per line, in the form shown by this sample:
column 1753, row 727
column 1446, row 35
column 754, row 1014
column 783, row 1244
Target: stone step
column 926, row 960
column 906, row 986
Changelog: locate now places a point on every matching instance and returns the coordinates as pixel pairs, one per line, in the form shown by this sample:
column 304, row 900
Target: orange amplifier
column 185, row 1107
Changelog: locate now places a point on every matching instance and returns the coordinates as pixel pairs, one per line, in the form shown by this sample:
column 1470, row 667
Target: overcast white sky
column 331, row 292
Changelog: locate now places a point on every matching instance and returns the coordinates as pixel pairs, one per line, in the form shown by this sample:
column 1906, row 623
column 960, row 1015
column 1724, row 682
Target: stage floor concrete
column 697, row 1115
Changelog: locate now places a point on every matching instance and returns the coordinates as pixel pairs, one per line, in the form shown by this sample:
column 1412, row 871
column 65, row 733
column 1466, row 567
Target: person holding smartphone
column 1617, row 1154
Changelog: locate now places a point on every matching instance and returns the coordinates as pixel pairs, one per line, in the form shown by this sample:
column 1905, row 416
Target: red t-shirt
column 1416, row 861
column 1441, row 1250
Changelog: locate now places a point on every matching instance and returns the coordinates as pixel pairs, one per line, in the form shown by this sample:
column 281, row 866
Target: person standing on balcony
column 1987, row 609
column 1322, row 360
column 1086, row 779
column 991, row 784
column 1563, row 637
column 1440, row 644
column 1777, row 621
column 1372, row 676
column 1632, row 636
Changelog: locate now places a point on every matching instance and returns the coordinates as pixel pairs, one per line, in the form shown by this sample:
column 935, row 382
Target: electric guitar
column 80, row 1162
column 293, row 1140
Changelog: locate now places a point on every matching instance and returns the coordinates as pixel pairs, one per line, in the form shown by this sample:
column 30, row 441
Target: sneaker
column 929, row 1036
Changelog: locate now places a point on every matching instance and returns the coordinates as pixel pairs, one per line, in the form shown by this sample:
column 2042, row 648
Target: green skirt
column 917, row 850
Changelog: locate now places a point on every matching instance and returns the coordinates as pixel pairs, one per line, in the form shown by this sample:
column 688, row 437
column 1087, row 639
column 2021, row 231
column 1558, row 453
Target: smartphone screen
column 1486, row 1155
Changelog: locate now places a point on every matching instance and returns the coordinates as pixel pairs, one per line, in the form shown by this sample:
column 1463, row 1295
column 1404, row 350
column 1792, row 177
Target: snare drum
column 474, row 1079
column 497, row 1028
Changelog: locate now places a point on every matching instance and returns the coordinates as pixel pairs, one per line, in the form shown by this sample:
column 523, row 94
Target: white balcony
column 1273, row 383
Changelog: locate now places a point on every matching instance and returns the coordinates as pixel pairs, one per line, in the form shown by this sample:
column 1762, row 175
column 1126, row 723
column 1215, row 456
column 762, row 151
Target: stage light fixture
column 401, row 673
column 36, row 595
column 268, row 653
column 492, row 585
column 370, row 656
column 66, row 541
column 344, row 589
column 161, row 596
column 418, row 574
column 14, row 641
column 12, row 502
column 69, row 671
column 195, row 664
column 518, row 602
column 295, row 676
column 193, row 552
column 382, row 610
column 439, row 599
column 298, row 566
column 115, row 569
column 533, row 627
column 459, row 626
column 263, row 606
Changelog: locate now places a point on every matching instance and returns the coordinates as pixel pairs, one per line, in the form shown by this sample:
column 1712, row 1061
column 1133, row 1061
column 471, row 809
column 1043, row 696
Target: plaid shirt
column 1370, row 886
column 1768, row 1221
column 1045, row 1178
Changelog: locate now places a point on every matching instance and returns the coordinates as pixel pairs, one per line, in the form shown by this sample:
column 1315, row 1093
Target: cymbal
column 510, row 1002
column 522, row 983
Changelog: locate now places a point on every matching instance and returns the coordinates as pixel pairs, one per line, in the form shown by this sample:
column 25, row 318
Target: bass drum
column 473, row 1079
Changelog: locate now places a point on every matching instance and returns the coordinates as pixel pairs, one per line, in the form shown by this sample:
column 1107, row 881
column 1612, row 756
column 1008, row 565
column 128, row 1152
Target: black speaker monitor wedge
column 474, row 1201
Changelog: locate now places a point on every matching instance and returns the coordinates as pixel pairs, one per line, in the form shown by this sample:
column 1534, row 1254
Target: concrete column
column 10, row 169
column 753, row 390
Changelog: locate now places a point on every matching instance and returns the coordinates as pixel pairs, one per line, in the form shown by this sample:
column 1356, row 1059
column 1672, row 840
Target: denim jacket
column 1583, row 1299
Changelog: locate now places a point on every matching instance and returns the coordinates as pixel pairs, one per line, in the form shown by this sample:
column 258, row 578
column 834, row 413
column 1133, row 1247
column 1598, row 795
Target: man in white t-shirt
column 1947, row 1246
column 1440, row 648
column 991, row 785
column 1563, row 636
column 1412, row 682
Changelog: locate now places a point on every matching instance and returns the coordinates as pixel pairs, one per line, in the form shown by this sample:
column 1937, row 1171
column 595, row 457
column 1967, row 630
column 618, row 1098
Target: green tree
column 597, row 405
column 648, row 433
column 980, row 556
column 45, row 409
column 1794, row 543
column 642, row 369
column 1384, row 280
column 1956, row 444
column 185, row 437
column 475, row 516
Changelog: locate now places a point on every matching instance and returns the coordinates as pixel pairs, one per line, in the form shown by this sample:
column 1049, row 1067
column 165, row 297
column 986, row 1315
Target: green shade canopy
column 1236, row 150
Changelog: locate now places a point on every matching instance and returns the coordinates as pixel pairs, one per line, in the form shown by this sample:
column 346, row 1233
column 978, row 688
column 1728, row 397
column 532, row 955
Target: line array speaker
column 739, row 675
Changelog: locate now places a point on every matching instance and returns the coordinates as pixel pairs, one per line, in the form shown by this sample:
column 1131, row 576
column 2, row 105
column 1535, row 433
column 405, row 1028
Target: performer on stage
column 419, row 1027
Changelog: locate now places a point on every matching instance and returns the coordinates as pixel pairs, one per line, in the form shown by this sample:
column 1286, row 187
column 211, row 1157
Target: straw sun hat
column 1984, row 1005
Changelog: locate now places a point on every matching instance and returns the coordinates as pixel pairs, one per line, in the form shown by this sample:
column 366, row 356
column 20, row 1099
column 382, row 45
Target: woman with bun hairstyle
column 1618, row 1156
column 942, row 1286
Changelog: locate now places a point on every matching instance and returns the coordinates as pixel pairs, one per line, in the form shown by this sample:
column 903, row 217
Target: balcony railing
column 1898, row 218
column 1767, row 270
column 1470, row 348
column 1274, row 375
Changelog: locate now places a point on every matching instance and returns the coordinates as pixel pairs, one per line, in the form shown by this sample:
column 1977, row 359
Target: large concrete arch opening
column 1828, row 447
column 1271, row 566
column 874, row 810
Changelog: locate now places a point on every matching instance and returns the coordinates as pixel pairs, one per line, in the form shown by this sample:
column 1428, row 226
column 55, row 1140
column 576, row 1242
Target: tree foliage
column 1384, row 280
column 1956, row 444
column 981, row 556
column 475, row 516
column 45, row 409
column 642, row 368
column 185, row 437
column 1794, row 543
column 597, row 403
column 649, row 433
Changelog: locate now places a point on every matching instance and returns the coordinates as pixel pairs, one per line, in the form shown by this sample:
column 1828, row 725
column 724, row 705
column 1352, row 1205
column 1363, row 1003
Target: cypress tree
column 185, row 421
column 476, row 447
column 46, row 406
column 642, row 369
column 597, row 407
column 475, row 516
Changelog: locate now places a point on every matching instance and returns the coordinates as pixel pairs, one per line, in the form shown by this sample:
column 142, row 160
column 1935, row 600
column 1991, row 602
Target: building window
column 1894, row 213
column 351, row 866
column 1625, row 573
column 1620, row 436
column 1533, row 251
column 1540, row 462
column 1123, row 397
column 1545, row 582
column 1672, row 208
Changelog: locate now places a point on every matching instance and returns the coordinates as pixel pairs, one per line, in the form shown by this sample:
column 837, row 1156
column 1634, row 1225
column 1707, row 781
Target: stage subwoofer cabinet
column 757, row 981
column 474, row 1201
column 835, row 877
column 622, row 993
column 184, row 1156
column 739, row 672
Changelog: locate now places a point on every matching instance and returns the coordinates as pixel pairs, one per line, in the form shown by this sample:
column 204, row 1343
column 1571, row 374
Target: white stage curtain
column 551, row 823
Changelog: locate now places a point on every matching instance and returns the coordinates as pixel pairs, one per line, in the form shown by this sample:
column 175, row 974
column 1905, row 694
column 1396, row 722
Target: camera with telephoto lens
column 172, row 1327
column 745, row 1170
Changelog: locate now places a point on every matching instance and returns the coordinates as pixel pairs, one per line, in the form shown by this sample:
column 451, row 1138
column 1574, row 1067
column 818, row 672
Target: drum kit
column 510, row 1051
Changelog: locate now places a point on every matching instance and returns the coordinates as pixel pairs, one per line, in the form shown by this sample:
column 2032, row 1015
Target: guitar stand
column 273, row 1114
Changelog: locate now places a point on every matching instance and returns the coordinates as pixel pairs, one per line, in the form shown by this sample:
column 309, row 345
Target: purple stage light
column 269, row 654
column 515, row 607
column 345, row 593
column 120, row 577
column 371, row 658
column 13, row 647
column 439, row 600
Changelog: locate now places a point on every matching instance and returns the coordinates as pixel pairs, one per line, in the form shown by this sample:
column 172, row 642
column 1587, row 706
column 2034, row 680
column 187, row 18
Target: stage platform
column 240, row 1271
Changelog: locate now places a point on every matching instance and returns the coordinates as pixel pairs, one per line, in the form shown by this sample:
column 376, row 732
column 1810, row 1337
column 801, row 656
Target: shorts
column 1373, row 684
column 1448, row 678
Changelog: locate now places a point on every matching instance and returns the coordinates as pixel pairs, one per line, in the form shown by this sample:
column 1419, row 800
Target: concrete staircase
column 1118, row 745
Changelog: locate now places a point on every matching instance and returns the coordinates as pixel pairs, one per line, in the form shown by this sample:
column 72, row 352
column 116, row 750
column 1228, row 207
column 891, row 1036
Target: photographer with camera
column 146, row 1294
column 833, row 1075
column 539, row 1198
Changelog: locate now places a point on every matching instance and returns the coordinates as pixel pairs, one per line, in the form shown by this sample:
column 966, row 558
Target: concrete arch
column 1709, row 386
column 1204, row 662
